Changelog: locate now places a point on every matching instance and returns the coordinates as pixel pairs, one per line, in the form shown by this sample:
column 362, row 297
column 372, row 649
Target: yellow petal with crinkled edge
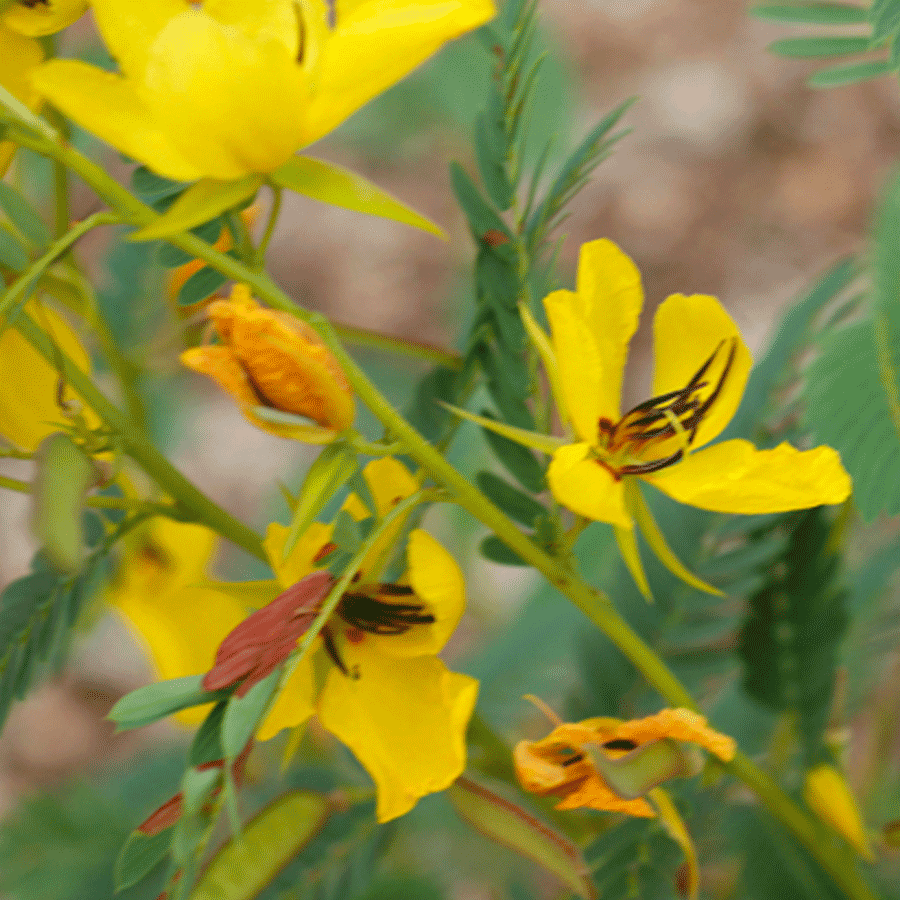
column 580, row 483
column 302, row 559
column 178, row 622
column 686, row 332
column 45, row 17
column 405, row 719
column 385, row 39
column 438, row 585
column 735, row 477
column 129, row 28
column 107, row 105
column 19, row 56
column 294, row 703
column 29, row 409
column 611, row 297
column 230, row 103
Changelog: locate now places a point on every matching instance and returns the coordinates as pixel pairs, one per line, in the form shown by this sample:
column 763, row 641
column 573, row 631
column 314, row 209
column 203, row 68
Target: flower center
column 642, row 441
column 375, row 609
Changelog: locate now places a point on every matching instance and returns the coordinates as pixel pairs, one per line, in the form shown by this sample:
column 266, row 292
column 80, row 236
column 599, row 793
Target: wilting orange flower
column 273, row 359
column 609, row 764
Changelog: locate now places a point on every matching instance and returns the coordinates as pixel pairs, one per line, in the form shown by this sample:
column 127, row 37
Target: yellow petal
column 677, row 724
column 19, row 56
column 390, row 482
column 129, row 29
column 261, row 19
column 686, row 332
column 45, row 17
column 240, row 99
column 827, row 793
column 610, row 296
column 438, row 583
column 385, row 40
column 294, row 704
column 302, row 559
column 735, row 477
column 28, row 383
column 579, row 482
column 405, row 719
column 107, row 105
column 179, row 623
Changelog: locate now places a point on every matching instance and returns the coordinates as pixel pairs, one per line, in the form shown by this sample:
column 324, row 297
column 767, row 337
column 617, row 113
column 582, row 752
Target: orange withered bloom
column 272, row 359
column 608, row 764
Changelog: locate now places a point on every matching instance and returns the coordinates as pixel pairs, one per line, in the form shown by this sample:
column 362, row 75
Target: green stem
column 839, row 863
column 186, row 494
column 362, row 337
column 259, row 260
column 21, row 287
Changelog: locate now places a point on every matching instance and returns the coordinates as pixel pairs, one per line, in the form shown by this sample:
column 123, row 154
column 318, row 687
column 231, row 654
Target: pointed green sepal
column 544, row 442
column 628, row 547
column 303, row 429
column 541, row 342
column 333, row 184
column 200, row 203
column 638, row 508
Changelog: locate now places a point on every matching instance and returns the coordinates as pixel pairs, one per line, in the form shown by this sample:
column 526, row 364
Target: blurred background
column 738, row 181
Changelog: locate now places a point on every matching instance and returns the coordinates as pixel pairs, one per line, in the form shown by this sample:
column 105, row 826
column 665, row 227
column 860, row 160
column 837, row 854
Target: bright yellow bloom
column 159, row 590
column 228, row 88
column 19, row 57
column 30, row 386
column 374, row 678
column 577, row 761
column 827, row 792
column 273, row 359
column 702, row 365
column 36, row 18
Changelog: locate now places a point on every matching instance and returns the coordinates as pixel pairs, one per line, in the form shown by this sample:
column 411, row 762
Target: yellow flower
column 702, row 365
column 228, row 88
column 373, row 678
column 273, row 359
column 30, row 386
column 577, row 761
column 36, row 18
column 159, row 590
column 19, row 57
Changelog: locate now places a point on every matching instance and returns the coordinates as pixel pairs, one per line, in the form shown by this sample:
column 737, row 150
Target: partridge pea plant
column 318, row 663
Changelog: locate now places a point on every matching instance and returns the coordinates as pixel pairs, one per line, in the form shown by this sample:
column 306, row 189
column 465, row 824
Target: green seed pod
column 64, row 475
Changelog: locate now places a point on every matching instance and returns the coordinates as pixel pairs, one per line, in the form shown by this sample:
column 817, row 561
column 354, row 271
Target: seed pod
column 64, row 475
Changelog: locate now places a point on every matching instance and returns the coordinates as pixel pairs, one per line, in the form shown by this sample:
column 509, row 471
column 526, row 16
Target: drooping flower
column 272, row 359
column 610, row 764
column 160, row 590
column 19, row 58
column 32, row 398
column 225, row 88
column 373, row 678
column 36, row 18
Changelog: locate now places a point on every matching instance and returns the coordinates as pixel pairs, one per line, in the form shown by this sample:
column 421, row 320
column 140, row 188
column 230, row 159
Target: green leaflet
column 812, row 13
column 851, row 73
column 813, row 47
column 789, row 642
column 156, row 701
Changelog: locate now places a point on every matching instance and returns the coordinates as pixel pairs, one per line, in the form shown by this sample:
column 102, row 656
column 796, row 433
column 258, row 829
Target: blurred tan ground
column 738, row 181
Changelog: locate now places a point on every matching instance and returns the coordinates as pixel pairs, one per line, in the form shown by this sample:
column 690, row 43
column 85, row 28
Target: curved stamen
column 654, row 465
column 375, row 616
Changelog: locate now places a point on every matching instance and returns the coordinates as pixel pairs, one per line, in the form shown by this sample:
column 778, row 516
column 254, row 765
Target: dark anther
column 701, row 412
column 332, row 650
column 578, row 757
column 379, row 617
column 654, row 465
column 619, row 744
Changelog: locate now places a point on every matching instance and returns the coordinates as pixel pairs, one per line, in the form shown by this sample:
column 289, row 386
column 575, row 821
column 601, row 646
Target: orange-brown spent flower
column 567, row 763
column 272, row 359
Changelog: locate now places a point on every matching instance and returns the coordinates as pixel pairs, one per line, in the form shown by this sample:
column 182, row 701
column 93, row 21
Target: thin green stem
column 188, row 496
column 23, row 285
column 259, row 260
column 596, row 606
column 362, row 337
